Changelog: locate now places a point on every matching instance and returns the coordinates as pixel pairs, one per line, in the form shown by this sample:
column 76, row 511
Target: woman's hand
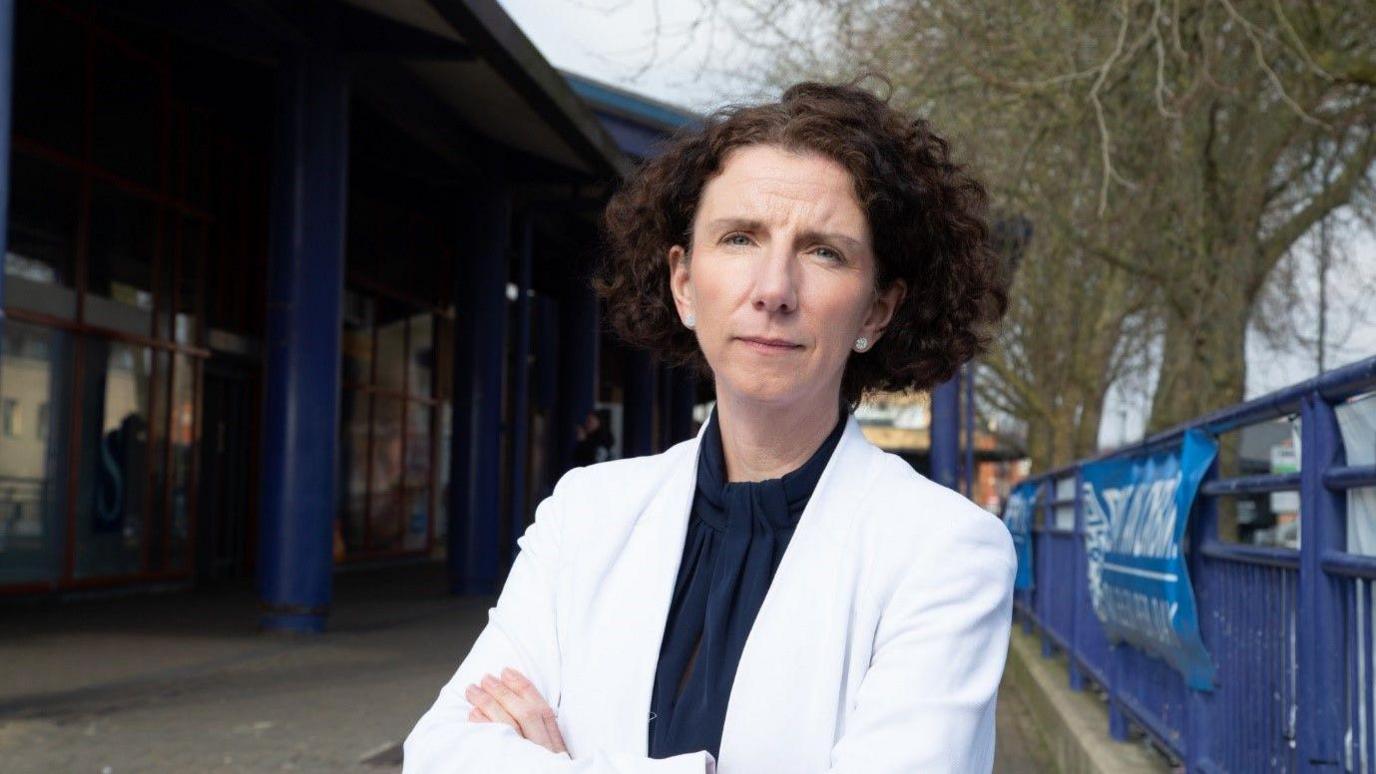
column 515, row 701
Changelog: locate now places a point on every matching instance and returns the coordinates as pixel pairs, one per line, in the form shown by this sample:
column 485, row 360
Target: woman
column 776, row 595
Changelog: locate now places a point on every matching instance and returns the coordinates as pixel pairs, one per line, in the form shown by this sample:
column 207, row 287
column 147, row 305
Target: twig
column 1251, row 31
column 1106, row 155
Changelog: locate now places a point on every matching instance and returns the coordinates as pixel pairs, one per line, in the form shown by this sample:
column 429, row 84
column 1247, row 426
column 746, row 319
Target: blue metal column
column 6, row 103
column 305, row 297
column 1202, row 706
column 476, row 557
column 1074, row 677
column 579, row 335
column 1319, row 721
column 945, row 431
column 968, row 382
column 640, row 404
column 520, row 393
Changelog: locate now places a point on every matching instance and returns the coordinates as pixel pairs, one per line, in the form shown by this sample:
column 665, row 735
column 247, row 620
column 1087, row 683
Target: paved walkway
column 182, row 682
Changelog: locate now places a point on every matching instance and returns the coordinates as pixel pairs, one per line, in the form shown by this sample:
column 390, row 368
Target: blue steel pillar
column 6, row 102
column 1080, row 604
column 1202, row 707
column 968, row 382
column 520, row 392
column 639, row 409
column 945, row 431
column 476, row 557
column 1319, row 718
column 305, row 297
column 579, row 335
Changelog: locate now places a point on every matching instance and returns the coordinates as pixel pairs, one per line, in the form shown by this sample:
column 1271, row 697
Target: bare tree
column 1184, row 145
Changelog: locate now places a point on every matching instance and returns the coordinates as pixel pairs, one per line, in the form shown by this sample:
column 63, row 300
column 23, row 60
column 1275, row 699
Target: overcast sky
column 611, row 41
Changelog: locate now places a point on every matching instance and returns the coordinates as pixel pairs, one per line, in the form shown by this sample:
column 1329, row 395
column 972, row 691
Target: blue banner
column 1136, row 512
column 1017, row 515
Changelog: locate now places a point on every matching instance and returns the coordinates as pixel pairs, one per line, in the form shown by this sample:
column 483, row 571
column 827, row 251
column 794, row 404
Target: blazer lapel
column 653, row 553
column 789, row 672
column 632, row 605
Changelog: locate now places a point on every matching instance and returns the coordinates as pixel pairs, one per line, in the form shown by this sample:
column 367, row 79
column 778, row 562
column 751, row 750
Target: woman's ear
column 885, row 303
column 679, row 284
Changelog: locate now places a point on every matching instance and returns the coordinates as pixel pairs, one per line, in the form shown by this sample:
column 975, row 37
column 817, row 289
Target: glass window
column 391, row 345
column 156, row 514
column 446, row 412
column 34, row 373
column 44, row 205
column 418, row 445
column 182, row 435
column 417, row 519
column 127, row 121
column 192, row 176
column 388, row 445
column 49, row 65
column 362, row 239
column 444, row 357
column 353, row 458
column 116, row 459
column 120, row 280
column 180, row 280
column 386, row 520
column 421, row 379
column 419, row 453
column 357, row 360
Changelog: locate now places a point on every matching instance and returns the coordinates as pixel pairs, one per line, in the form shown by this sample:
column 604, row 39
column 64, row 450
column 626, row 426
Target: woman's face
column 781, row 276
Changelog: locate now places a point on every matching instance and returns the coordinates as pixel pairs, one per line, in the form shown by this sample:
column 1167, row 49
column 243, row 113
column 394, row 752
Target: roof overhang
column 505, row 90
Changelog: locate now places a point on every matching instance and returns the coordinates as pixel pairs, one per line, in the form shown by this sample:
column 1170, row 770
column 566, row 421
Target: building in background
column 292, row 285
column 901, row 423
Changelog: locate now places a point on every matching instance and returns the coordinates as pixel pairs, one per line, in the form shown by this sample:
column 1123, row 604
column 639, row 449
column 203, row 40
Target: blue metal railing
column 1290, row 630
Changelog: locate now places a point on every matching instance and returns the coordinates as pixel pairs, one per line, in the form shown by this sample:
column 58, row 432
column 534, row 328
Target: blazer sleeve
column 522, row 633
column 926, row 703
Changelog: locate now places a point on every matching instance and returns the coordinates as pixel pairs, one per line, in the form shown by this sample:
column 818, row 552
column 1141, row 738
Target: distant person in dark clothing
column 595, row 439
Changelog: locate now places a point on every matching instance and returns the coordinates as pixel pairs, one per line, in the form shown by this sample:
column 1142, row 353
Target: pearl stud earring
column 861, row 343
column 689, row 321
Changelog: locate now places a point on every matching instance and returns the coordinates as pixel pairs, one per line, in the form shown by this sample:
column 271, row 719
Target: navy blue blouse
column 737, row 534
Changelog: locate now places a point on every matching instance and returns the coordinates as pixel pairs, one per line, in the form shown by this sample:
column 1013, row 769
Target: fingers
column 529, row 712
column 527, row 690
column 490, row 706
column 514, row 700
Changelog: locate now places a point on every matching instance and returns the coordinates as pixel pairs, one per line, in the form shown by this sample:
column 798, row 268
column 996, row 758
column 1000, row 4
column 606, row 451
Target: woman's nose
column 775, row 287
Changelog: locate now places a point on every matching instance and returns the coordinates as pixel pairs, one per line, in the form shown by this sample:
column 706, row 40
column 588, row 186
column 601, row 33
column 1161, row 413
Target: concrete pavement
column 182, row 681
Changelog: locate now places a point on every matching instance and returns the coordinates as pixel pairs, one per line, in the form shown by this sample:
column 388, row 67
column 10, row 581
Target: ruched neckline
column 776, row 502
column 737, row 535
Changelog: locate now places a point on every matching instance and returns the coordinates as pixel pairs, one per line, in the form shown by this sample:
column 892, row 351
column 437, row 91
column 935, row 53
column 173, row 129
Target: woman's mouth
column 769, row 346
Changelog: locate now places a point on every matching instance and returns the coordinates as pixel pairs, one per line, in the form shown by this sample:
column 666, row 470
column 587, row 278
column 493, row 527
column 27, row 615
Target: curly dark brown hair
column 925, row 212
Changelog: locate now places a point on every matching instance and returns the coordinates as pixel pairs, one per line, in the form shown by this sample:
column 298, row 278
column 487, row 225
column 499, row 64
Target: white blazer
column 878, row 647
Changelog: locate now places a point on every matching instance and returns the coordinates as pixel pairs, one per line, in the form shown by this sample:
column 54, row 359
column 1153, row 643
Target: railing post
column 1117, row 719
column 1075, row 678
column 1045, row 600
column 1319, row 724
column 1199, row 705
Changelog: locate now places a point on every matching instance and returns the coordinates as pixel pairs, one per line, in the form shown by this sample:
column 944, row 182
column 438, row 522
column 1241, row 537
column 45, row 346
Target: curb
column 1074, row 725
